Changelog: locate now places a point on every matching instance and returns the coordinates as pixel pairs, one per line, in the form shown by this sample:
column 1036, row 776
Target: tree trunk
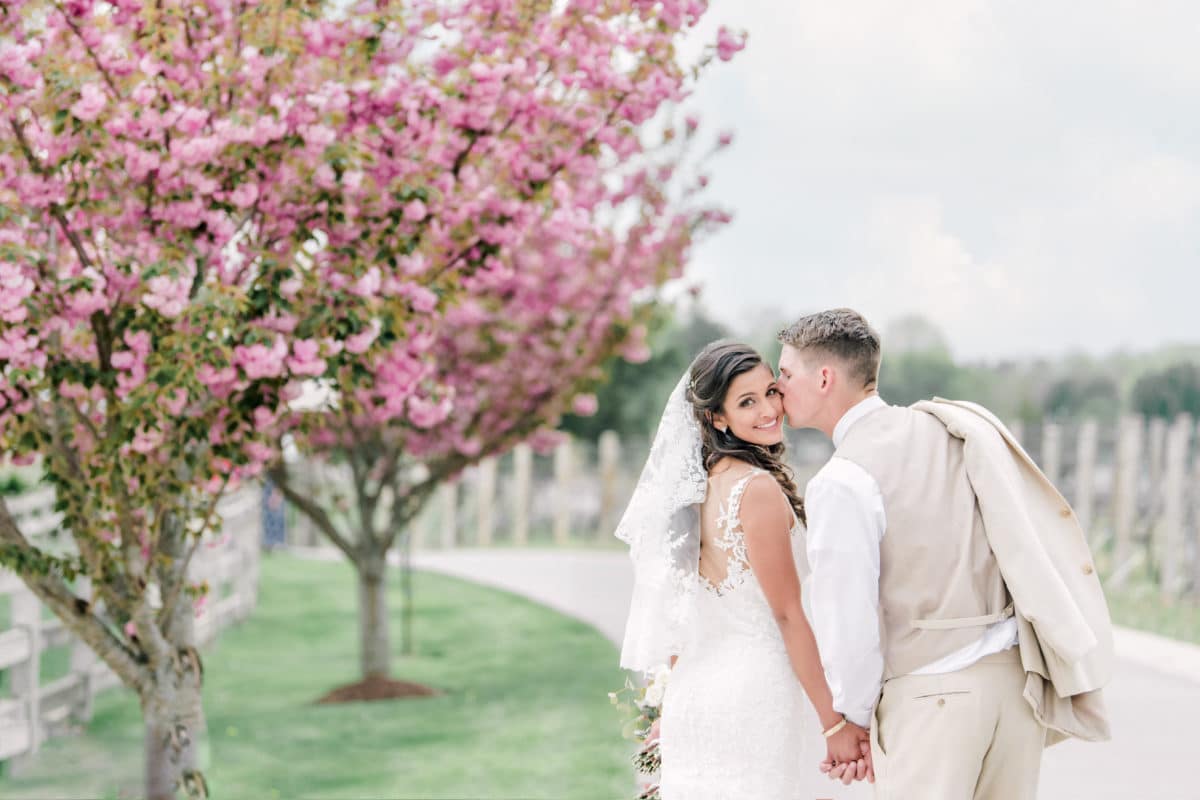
column 374, row 646
column 173, row 718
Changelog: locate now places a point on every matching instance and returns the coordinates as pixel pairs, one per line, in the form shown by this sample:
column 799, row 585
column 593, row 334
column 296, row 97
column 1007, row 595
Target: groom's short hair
column 841, row 333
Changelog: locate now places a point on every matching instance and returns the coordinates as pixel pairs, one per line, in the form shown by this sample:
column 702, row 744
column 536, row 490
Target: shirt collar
column 856, row 412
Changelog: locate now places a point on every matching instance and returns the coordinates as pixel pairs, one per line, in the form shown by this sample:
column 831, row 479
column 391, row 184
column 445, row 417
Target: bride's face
column 753, row 408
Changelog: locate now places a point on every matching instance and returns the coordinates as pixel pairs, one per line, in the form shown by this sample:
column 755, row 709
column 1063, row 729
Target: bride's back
column 722, row 547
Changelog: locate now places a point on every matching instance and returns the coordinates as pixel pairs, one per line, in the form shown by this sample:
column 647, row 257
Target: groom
column 925, row 529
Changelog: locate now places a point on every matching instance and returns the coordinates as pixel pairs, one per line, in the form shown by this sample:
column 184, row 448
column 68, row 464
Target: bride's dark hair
column 709, row 378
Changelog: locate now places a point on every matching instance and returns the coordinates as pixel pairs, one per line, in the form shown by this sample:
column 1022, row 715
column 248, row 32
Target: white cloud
column 1027, row 175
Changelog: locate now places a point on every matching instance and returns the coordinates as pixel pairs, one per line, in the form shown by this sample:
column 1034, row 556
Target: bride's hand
column 849, row 771
column 843, row 746
column 652, row 736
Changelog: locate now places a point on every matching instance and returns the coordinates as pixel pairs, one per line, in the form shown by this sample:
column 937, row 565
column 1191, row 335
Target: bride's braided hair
column 710, row 375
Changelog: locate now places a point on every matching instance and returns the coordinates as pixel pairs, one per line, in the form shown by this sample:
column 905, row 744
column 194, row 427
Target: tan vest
column 939, row 585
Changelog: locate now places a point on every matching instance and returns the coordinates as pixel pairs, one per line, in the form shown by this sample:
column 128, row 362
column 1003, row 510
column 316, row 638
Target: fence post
column 26, row 613
column 562, row 492
column 522, row 492
column 1194, row 491
column 485, row 499
column 1171, row 551
column 1129, row 447
column 1052, row 451
column 448, row 492
column 610, row 476
column 1151, row 519
column 1085, row 476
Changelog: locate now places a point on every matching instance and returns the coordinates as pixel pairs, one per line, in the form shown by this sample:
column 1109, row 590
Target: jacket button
column 1087, row 569
column 1065, row 513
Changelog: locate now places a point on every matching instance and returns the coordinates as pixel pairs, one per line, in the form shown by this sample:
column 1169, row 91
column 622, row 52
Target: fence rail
column 32, row 711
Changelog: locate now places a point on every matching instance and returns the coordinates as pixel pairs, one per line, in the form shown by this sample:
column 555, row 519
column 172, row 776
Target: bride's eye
column 772, row 390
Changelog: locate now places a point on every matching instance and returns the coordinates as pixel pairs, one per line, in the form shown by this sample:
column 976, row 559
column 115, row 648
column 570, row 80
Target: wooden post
column 1129, row 447
column 1085, row 476
column 1195, row 493
column 1151, row 529
column 562, row 492
column 610, row 458
column 1171, row 550
column 522, row 492
column 448, row 492
column 26, row 614
column 485, row 501
column 1052, row 451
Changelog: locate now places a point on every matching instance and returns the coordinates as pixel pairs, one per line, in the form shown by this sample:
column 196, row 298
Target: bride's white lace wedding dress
column 734, row 714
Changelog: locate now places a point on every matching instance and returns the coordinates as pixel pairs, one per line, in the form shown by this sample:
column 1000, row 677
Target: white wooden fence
column 1135, row 485
column 32, row 711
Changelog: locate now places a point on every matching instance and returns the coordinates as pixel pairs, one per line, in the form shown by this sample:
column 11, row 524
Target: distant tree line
column 917, row 364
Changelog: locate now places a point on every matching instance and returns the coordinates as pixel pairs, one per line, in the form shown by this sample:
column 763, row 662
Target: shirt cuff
column 859, row 717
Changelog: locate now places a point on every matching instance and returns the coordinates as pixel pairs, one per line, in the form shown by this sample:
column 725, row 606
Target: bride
column 714, row 529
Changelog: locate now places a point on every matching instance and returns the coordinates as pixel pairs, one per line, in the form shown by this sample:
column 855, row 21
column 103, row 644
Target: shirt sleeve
column 845, row 526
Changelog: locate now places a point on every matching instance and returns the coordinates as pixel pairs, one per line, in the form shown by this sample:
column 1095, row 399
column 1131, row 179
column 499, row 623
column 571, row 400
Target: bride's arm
column 766, row 524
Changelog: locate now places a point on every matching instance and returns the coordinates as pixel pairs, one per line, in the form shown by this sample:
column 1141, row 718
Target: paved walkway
column 1154, row 697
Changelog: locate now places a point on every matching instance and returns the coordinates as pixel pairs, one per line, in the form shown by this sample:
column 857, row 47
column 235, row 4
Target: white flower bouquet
column 642, row 707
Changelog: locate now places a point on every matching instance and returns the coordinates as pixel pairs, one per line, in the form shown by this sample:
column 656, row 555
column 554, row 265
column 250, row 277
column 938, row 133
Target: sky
column 1025, row 175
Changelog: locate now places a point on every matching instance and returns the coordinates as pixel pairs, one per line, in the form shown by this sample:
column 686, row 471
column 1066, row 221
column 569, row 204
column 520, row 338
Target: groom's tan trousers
column 966, row 735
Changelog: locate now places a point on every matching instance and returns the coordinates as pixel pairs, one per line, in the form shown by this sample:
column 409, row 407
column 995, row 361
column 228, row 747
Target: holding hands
column 848, row 753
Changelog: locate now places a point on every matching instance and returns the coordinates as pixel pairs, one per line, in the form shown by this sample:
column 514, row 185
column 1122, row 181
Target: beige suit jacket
column 1064, row 629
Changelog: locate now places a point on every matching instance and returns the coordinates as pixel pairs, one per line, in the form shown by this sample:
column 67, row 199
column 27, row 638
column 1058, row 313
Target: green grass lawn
column 1140, row 605
column 524, row 714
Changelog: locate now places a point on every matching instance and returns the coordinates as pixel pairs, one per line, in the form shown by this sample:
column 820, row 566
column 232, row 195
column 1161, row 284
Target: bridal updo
column 710, row 376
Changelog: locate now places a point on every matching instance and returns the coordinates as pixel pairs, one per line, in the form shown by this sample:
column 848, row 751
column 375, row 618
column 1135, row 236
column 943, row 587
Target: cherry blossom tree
column 553, row 145
column 203, row 204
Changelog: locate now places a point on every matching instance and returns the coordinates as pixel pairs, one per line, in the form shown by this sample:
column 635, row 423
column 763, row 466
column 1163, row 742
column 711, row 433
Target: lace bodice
column 724, row 565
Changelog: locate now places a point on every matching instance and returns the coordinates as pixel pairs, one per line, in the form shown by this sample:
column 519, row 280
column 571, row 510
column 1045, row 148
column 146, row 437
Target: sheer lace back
column 723, row 562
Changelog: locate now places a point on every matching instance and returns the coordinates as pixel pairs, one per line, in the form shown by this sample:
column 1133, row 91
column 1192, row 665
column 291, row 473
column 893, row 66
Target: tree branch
column 54, row 592
column 279, row 475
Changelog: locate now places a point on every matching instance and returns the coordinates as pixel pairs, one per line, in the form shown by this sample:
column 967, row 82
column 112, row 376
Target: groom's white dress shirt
column 846, row 523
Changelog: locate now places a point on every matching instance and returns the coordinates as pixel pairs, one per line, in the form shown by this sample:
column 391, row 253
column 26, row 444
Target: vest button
column 941, row 701
column 1065, row 513
column 1087, row 569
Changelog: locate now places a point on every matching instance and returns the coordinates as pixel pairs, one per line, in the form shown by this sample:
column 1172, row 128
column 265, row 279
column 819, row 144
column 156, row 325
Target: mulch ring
column 377, row 688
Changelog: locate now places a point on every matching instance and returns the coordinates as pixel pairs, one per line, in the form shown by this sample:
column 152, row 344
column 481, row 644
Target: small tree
column 545, row 114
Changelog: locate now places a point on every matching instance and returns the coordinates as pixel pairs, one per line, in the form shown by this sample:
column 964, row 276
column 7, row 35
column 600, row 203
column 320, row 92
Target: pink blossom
column 585, row 405
column 191, row 120
column 425, row 413
column 91, row 102
column 257, row 451
column 15, row 287
column 358, row 343
column 147, row 440
column 415, row 211
column 167, row 295
column 176, row 402
column 260, row 361
column 728, row 43
column 244, row 195
column 423, row 300
column 305, row 358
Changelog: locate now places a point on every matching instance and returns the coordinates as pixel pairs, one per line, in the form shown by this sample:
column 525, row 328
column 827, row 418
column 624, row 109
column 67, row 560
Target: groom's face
column 801, row 384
